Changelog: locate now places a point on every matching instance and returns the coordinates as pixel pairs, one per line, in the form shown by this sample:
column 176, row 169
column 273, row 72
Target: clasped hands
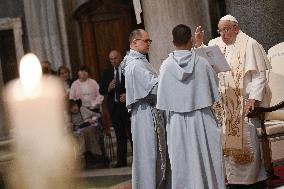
column 111, row 86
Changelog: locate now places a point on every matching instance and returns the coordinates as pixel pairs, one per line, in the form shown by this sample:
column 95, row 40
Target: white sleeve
column 258, row 80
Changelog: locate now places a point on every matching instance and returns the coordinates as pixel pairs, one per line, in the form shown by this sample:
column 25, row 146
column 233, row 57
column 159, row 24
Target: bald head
column 140, row 41
column 135, row 34
column 115, row 58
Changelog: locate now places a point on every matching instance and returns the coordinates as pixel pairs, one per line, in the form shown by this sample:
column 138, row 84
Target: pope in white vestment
column 241, row 89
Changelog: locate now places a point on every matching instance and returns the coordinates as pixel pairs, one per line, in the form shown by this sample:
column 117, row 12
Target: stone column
column 18, row 32
column 3, row 127
column 261, row 19
column 160, row 16
column 6, row 153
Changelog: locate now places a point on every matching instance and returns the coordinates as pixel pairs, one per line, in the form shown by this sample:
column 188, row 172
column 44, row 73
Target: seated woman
column 86, row 89
column 86, row 125
column 64, row 73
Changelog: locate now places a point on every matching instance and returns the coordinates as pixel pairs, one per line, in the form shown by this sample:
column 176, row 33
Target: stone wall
column 12, row 9
column 263, row 20
column 160, row 16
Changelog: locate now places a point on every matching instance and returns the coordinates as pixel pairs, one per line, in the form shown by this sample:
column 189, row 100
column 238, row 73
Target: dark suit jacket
column 108, row 76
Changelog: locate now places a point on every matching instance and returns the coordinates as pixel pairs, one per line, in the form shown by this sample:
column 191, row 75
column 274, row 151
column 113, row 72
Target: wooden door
column 105, row 26
column 8, row 55
column 115, row 36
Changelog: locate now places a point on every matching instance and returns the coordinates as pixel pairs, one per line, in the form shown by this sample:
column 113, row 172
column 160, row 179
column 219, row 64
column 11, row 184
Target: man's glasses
column 225, row 30
column 149, row 41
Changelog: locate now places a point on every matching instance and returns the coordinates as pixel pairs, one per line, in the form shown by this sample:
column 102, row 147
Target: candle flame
column 30, row 71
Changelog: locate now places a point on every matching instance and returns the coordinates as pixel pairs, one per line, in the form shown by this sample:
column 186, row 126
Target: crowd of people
column 85, row 98
column 187, row 125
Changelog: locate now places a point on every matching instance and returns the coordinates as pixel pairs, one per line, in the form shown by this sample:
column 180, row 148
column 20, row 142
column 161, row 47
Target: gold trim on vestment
column 239, row 156
column 229, row 110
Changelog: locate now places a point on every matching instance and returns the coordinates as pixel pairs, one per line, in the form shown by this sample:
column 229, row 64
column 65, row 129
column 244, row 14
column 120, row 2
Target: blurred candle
column 44, row 156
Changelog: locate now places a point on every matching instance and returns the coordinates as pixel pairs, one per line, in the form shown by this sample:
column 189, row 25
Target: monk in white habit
column 147, row 124
column 241, row 90
column 187, row 90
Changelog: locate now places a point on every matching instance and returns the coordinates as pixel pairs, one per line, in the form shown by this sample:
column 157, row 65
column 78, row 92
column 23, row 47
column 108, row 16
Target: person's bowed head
column 75, row 108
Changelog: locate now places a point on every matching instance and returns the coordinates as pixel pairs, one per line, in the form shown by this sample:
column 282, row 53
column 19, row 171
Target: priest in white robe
column 147, row 124
column 187, row 90
column 241, row 89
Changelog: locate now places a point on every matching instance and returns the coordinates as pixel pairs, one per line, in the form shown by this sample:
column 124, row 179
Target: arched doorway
column 105, row 25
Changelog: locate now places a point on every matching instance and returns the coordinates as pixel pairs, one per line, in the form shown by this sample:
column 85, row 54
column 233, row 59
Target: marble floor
column 111, row 178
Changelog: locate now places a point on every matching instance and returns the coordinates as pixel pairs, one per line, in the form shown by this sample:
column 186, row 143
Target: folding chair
column 107, row 132
column 109, row 147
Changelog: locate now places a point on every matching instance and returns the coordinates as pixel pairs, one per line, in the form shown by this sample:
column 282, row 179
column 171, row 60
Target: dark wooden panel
column 115, row 36
column 8, row 55
column 89, row 50
column 105, row 26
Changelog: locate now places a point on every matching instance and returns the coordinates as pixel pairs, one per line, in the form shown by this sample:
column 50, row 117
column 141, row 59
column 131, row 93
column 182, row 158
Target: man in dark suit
column 113, row 88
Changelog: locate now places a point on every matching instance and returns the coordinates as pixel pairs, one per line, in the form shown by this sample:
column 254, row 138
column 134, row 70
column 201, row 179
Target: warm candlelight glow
column 44, row 153
column 30, row 71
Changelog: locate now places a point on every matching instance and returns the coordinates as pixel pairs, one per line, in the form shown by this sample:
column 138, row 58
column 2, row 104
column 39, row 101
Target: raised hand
column 199, row 34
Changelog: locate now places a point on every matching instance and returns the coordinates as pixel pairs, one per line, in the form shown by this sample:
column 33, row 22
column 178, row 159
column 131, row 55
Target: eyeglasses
column 149, row 41
column 225, row 30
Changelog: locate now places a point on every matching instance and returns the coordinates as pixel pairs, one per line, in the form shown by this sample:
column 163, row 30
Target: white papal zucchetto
column 229, row 17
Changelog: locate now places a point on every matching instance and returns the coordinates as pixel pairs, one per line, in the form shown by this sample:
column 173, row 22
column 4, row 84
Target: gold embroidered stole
column 230, row 108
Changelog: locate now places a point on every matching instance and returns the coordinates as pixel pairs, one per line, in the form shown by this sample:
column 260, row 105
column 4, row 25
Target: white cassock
column 254, row 84
column 141, row 81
